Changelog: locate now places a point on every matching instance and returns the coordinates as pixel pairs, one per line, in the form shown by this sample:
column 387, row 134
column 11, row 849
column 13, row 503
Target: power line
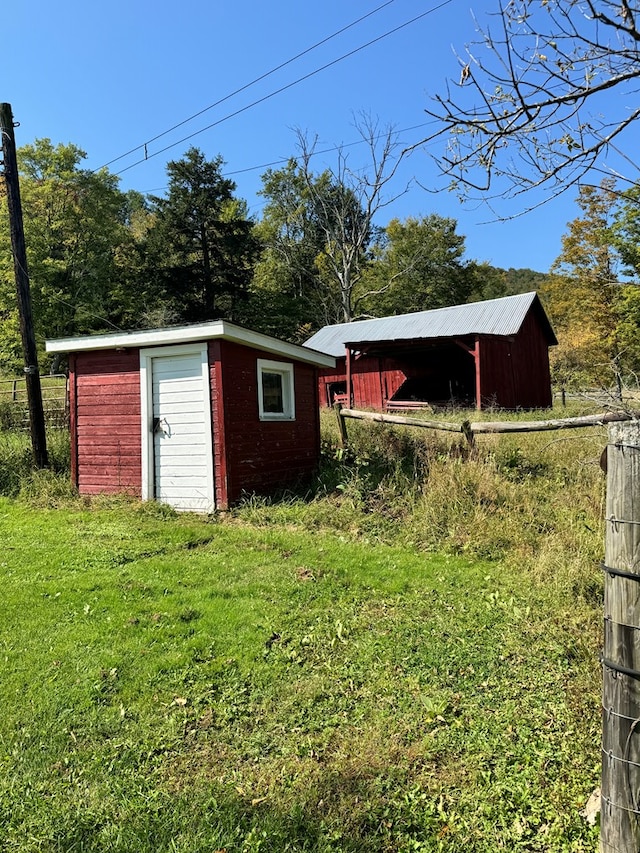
column 248, row 85
column 282, row 160
column 284, row 88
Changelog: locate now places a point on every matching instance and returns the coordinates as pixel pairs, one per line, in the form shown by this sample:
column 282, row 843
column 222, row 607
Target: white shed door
column 182, row 459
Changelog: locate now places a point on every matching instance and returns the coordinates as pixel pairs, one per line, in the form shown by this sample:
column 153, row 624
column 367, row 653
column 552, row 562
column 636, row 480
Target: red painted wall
column 374, row 380
column 261, row 455
column 105, row 422
column 515, row 373
column 249, row 455
column 531, row 365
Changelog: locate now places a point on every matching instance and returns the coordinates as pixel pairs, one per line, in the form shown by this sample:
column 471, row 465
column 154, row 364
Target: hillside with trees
column 101, row 260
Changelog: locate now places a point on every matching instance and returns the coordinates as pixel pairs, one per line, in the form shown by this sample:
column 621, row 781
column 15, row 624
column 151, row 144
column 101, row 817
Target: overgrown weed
column 17, row 473
column 534, row 499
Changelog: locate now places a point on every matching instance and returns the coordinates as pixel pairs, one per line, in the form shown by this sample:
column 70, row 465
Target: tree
column 74, row 221
column 139, row 295
column 287, row 294
column 626, row 239
column 527, row 110
column 582, row 293
column 202, row 239
column 419, row 266
column 346, row 203
column 626, row 231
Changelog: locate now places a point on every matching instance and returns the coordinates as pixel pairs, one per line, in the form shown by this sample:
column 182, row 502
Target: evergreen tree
column 201, row 241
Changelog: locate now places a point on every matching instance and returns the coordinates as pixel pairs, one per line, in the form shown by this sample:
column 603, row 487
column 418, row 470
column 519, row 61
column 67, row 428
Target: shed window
column 275, row 390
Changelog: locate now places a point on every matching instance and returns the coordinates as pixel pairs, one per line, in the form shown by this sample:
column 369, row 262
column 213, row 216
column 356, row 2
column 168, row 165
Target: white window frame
column 285, row 370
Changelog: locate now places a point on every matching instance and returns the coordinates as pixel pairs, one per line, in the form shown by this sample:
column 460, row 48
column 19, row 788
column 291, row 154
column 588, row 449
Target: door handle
column 160, row 425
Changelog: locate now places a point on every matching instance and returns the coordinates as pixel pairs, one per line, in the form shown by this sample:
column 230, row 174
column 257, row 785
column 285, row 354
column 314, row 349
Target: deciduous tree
column 288, row 296
column 582, row 293
column 347, row 203
column 419, row 266
column 74, row 221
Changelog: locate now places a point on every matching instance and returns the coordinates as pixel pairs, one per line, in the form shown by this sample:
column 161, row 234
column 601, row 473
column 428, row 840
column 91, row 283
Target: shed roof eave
column 218, row 329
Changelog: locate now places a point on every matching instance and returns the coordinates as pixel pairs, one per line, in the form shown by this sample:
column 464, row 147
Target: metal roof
column 502, row 317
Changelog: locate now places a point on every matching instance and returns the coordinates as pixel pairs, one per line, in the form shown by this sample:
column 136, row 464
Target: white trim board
column 218, row 329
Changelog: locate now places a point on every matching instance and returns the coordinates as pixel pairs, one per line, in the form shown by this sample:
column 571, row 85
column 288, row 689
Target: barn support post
column 475, row 352
column 349, row 390
column 620, row 790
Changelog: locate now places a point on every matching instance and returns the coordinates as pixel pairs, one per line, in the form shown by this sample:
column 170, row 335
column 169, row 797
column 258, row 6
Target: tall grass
column 17, row 473
column 534, row 499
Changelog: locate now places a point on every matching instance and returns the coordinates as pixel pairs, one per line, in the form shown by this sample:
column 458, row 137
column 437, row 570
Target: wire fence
column 14, row 404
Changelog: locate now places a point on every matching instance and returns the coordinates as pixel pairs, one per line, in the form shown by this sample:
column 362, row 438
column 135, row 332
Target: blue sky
column 111, row 77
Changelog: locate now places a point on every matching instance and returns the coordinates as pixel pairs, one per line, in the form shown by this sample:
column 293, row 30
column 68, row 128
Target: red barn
column 193, row 416
column 491, row 353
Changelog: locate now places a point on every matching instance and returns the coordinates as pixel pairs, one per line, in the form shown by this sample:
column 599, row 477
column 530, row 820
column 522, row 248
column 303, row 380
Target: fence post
column 620, row 802
column 342, row 427
column 467, row 431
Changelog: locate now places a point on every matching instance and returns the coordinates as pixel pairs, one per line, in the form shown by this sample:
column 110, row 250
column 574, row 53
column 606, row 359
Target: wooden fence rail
column 471, row 429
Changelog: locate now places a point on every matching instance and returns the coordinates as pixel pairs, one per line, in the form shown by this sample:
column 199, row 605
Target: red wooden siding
column 374, row 380
column 531, row 365
column 496, row 373
column 105, row 422
column 515, row 373
column 263, row 455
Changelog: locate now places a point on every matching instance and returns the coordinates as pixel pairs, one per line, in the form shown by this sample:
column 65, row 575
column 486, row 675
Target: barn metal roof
column 503, row 317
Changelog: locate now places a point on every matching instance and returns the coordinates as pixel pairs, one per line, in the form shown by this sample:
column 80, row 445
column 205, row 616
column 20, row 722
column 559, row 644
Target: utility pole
column 32, row 374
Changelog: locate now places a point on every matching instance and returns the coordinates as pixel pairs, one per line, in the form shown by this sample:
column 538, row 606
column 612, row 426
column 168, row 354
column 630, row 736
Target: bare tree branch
column 347, row 209
column 542, row 102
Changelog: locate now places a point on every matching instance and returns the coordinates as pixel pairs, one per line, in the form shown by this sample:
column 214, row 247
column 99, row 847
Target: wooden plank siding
column 497, row 383
column 249, row 455
column 531, row 365
column 105, row 422
column 263, row 455
column 375, row 380
column 515, row 373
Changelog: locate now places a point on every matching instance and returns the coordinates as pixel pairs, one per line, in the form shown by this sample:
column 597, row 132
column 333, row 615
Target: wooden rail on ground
column 470, row 429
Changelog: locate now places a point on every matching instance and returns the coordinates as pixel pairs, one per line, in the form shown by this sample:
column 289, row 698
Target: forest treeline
column 103, row 260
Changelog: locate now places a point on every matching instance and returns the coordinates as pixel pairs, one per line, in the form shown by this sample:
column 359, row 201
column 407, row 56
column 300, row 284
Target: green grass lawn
column 187, row 684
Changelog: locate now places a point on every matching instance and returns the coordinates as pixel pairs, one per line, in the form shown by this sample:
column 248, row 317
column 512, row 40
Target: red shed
column 193, row 416
column 491, row 353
